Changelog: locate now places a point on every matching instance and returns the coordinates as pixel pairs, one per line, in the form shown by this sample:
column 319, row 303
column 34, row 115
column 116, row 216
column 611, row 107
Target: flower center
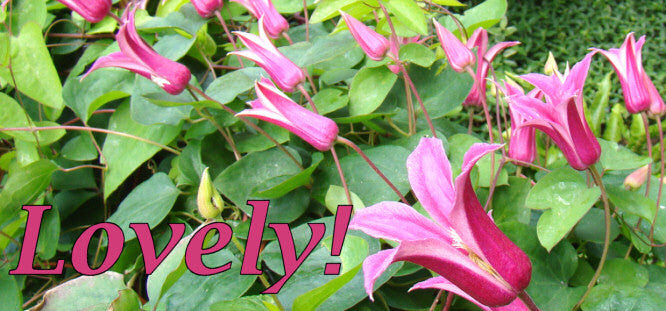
column 458, row 243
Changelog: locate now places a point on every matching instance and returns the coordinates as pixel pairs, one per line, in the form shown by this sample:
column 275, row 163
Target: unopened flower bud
column 551, row 65
column 209, row 201
column 636, row 179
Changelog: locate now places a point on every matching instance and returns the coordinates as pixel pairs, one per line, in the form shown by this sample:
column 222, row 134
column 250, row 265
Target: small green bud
column 209, row 201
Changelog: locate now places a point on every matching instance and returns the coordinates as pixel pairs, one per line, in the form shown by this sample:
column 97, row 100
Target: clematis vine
column 639, row 92
column 207, row 8
column 461, row 243
column 92, row 10
column 274, row 23
column 262, row 51
column 562, row 117
column 137, row 56
column 275, row 107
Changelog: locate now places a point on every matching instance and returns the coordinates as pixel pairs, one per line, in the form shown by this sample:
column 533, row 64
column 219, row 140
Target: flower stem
column 437, row 298
column 418, row 99
column 89, row 129
column 231, row 38
column 342, row 175
column 528, row 301
column 648, row 140
column 307, row 96
column 661, row 180
column 307, row 23
column 607, row 217
column 373, row 166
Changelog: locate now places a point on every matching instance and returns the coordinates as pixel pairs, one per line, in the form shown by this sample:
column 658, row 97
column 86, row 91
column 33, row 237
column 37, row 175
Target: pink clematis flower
column 262, row 51
column 275, row 107
column 522, row 145
column 137, row 56
column 206, row 8
column 92, row 10
column 479, row 40
column 461, row 243
column 639, row 92
column 457, row 53
column 561, row 117
column 373, row 44
column 274, row 23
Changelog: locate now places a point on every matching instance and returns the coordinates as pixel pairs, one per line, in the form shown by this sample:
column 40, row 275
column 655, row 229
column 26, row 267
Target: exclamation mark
column 342, row 217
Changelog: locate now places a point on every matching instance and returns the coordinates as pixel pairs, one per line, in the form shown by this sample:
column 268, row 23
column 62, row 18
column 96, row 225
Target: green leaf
column 632, row 202
column 362, row 180
column 198, row 292
column 31, row 59
column 251, row 141
column 49, row 233
column 168, row 272
column 23, row 186
column 327, row 9
column 144, row 111
column 26, row 11
column 441, row 92
column 314, row 298
column 11, row 295
column 127, row 300
column 239, row 181
column 622, row 297
column 80, row 148
column 225, row 88
column 247, row 303
column 336, row 196
column 592, row 227
column 565, row 194
column 619, row 271
column 509, row 201
column 329, row 100
column 290, row 6
column 148, row 203
column 417, row 54
column 190, row 164
column 311, row 273
column 615, row 157
column 283, row 187
column 448, row 2
column 369, row 88
column 409, row 14
column 325, row 48
column 125, row 154
column 483, row 15
column 550, row 271
column 84, row 293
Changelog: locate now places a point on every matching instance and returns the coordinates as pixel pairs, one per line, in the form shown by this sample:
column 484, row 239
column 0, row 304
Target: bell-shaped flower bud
column 262, row 51
column 206, row 8
column 92, row 10
column 457, row 53
column 209, row 201
column 275, row 107
column 373, row 44
column 637, row 178
column 137, row 56
column 639, row 92
column 274, row 23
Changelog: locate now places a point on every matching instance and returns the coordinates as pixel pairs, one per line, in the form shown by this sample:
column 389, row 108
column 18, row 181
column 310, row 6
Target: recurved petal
column 585, row 143
column 429, row 173
column 480, row 233
column 551, row 86
column 373, row 267
column 396, row 221
column 449, row 262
